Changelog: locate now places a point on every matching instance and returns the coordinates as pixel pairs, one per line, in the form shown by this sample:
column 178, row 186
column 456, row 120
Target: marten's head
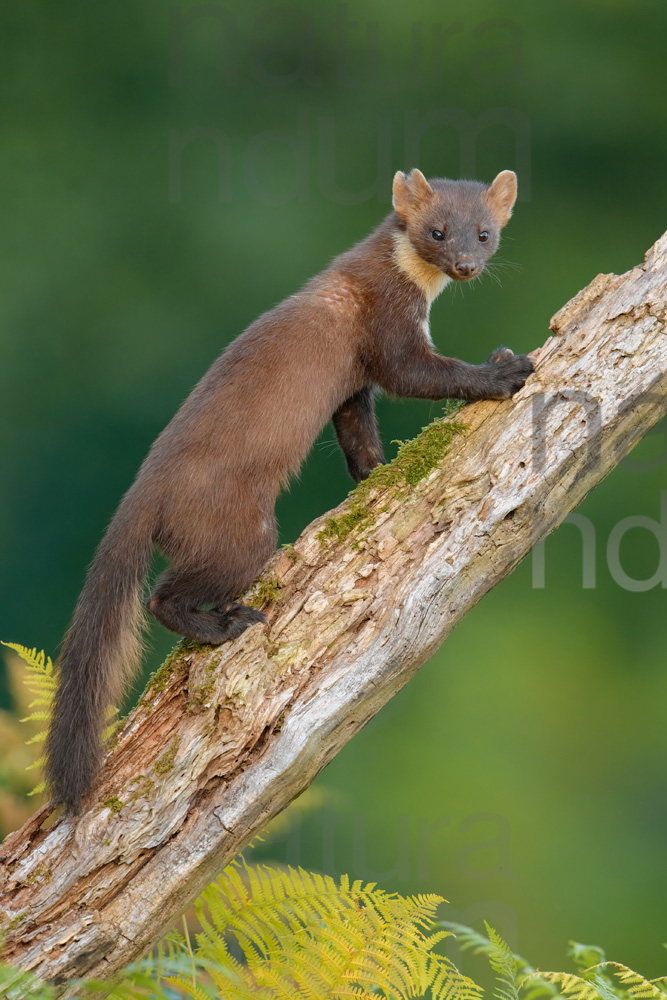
column 453, row 225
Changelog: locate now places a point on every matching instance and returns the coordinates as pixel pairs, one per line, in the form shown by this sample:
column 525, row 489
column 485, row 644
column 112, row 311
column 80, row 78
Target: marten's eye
column 437, row 235
column 483, row 236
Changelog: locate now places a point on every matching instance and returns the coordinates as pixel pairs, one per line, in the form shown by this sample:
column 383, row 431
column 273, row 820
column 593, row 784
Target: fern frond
column 569, row 985
column 135, row 986
column 18, row 985
column 436, row 938
column 305, row 935
column 190, row 989
column 585, row 956
column 603, row 984
column 503, row 963
column 38, row 738
column 356, row 993
column 450, row 984
column 634, row 985
column 42, row 716
column 41, row 680
column 35, row 660
column 469, row 939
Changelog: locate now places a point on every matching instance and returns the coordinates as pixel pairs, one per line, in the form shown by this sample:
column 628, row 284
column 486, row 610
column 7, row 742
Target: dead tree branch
column 224, row 738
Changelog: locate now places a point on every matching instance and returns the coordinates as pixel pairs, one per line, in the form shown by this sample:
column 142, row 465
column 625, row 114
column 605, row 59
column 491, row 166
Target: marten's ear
column 409, row 191
column 502, row 195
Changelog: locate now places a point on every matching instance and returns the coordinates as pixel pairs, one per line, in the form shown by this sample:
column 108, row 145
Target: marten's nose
column 466, row 268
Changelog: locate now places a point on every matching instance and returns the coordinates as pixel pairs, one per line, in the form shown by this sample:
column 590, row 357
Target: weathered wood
column 224, row 738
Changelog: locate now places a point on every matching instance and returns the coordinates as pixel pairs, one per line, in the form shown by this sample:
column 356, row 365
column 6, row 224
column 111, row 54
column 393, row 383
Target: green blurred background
column 522, row 773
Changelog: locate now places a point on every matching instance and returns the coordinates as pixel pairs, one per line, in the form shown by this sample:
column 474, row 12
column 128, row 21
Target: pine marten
column 205, row 494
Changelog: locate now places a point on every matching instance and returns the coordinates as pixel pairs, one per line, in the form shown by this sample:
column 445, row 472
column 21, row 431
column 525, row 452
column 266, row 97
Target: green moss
column 267, row 591
column 159, row 680
column 338, row 528
column 290, row 551
column 453, row 406
column 418, row 457
column 113, row 733
column 414, row 461
column 279, row 722
column 39, row 876
column 165, row 763
column 113, row 804
column 142, row 787
column 199, row 697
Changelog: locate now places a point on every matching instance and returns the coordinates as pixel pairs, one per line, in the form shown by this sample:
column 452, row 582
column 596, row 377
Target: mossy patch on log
column 113, row 804
column 266, row 592
column 159, row 681
column 165, row 763
column 414, row 461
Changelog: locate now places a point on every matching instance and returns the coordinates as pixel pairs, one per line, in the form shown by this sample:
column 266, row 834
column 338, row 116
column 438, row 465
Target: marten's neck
column 429, row 279
column 386, row 255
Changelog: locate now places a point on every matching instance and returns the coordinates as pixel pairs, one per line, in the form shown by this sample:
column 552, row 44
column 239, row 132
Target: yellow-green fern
column 606, row 981
column 18, row 985
column 634, row 985
column 502, row 960
column 299, row 956
column 504, row 964
column 41, row 680
column 307, row 935
column 598, row 979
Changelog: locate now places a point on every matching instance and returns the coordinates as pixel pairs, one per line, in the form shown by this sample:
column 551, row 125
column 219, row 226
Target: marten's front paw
column 509, row 372
column 500, row 354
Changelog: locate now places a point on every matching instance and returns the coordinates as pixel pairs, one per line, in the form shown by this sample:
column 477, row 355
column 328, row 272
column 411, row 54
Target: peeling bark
column 224, row 738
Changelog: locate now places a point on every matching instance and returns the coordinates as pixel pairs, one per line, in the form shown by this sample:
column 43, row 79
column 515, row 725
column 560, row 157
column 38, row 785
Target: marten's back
column 261, row 405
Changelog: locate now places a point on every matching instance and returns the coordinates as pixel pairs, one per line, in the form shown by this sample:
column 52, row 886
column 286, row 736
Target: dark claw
column 500, row 353
column 509, row 372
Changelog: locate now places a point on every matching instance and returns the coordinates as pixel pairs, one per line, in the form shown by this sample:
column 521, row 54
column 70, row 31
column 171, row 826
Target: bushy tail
column 102, row 649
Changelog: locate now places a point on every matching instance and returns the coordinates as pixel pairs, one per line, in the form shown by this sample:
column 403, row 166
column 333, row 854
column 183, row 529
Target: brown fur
column 205, row 494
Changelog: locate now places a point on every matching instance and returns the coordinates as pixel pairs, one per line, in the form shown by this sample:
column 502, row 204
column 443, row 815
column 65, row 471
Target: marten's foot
column 361, row 468
column 509, row 372
column 229, row 623
column 175, row 611
column 500, row 353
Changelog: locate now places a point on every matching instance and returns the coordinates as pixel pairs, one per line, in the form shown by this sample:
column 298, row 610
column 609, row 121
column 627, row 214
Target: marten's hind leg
column 179, row 602
column 198, row 601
